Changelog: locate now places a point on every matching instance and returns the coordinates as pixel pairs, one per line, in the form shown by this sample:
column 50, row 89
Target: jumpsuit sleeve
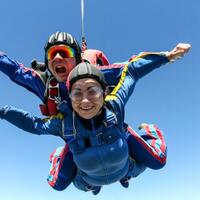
column 135, row 69
column 148, row 146
column 144, row 63
column 120, row 94
column 32, row 124
column 26, row 77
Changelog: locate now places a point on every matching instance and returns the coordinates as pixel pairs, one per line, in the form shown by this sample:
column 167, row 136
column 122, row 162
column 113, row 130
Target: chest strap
column 72, row 132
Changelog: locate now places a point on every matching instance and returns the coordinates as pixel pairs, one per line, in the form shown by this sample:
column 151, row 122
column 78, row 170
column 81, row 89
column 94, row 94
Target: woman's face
column 87, row 97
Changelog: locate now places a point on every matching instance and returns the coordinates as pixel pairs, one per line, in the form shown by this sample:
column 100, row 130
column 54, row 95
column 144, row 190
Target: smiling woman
column 102, row 147
column 87, row 97
column 87, row 90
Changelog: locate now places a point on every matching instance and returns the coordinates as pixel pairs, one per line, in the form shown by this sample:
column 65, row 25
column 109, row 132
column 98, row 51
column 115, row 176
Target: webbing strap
column 82, row 17
column 84, row 44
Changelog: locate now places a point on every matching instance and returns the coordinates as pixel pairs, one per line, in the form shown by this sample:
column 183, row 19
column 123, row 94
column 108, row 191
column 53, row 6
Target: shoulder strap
column 69, row 130
column 110, row 118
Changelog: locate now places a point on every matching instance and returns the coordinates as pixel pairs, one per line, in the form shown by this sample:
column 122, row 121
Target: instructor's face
column 60, row 62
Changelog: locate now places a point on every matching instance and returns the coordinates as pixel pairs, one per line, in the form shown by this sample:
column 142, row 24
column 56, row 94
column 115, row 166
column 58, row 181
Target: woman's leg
column 147, row 146
column 63, row 169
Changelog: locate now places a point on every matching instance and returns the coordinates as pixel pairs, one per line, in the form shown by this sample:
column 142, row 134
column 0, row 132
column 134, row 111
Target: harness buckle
column 53, row 90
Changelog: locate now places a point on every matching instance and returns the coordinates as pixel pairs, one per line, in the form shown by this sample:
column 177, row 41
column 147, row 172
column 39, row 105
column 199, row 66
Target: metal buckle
column 53, row 90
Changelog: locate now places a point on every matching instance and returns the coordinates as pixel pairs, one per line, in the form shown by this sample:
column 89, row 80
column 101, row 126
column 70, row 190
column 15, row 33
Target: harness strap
column 110, row 118
column 104, row 136
column 51, row 96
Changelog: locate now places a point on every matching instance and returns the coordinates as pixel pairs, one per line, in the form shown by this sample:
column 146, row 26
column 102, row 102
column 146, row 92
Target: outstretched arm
column 140, row 66
column 27, row 122
column 26, row 77
column 144, row 63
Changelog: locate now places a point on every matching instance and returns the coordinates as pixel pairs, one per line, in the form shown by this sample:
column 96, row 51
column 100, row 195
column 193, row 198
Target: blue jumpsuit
column 101, row 154
column 34, row 82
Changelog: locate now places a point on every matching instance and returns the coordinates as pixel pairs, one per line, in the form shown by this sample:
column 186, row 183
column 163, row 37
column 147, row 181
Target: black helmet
column 85, row 70
column 66, row 39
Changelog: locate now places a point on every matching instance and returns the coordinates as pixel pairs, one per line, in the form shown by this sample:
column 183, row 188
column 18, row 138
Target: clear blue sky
column 168, row 97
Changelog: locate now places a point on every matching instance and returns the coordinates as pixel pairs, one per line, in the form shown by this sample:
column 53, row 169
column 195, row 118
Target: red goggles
column 62, row 50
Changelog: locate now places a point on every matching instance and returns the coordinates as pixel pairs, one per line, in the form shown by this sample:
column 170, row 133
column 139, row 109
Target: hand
column 179, row 51
column 143, row 125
